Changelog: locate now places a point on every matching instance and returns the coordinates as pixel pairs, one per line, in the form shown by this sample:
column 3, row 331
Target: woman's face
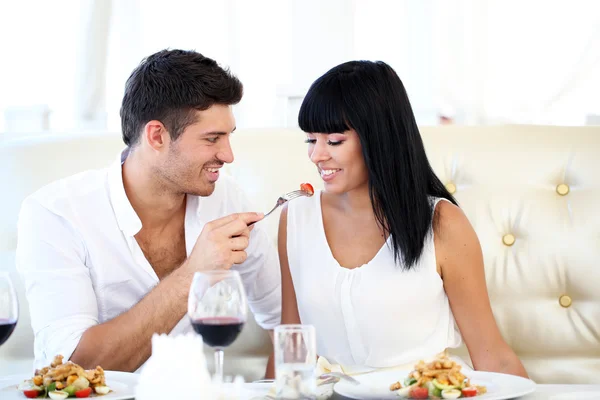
column 339, row 159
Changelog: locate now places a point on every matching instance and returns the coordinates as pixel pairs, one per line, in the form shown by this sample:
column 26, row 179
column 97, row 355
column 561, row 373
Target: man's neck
column 154, row 204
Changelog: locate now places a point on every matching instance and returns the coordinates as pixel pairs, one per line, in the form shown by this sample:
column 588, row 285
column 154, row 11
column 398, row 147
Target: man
column 107, row 256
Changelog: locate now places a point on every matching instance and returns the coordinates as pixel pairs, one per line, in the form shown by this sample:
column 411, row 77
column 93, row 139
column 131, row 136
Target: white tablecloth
column 543, row 392
column 564, row 392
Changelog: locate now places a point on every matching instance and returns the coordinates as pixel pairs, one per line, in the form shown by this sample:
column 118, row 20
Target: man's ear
column 156, row 135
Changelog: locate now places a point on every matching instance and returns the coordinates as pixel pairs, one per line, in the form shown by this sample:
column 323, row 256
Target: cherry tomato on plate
column 31, row 394
column 80, row 394
column 469, row 392
column 418, row 393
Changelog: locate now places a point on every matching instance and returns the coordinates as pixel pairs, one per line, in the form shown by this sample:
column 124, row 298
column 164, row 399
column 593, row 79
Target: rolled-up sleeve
column 50, row 259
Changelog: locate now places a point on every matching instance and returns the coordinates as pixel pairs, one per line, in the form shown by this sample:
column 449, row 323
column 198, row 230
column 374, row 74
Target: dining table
column 254, row 391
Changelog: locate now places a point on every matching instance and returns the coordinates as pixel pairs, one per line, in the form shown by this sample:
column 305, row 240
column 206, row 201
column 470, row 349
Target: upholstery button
column 508, row 239
column 451, row 187
column 565, row 301
column 562, row 189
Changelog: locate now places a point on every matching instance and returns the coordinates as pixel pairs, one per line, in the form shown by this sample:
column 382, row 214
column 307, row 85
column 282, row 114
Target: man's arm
column 51, row 260
column 64, row 314
column 126, row 339
column 124, row 343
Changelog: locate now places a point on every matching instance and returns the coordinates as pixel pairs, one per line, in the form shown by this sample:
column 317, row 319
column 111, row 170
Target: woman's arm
column 460, row 259
column 289, row 307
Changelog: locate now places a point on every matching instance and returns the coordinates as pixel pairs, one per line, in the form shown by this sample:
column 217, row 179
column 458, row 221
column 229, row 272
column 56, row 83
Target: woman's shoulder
column 301, row 209
column 451, row 225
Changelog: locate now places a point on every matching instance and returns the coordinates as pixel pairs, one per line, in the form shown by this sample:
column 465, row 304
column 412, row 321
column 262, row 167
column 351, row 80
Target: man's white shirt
column 82, row 266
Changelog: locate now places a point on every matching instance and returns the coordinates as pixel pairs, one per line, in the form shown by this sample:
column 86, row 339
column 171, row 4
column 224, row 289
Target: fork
column 339, row 375
column 284, row 199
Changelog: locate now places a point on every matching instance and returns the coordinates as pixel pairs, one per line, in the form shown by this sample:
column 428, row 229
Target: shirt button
column 451, row 187
column 508, row 239
column 565, row 301
column 563, row 189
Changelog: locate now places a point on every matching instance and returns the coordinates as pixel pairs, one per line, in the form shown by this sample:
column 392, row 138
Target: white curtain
column 92, row 49
column 518, row 61
column 38, row 60
column 482, row 61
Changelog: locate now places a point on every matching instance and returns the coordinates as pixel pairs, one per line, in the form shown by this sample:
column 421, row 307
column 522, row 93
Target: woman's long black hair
column 370, row 98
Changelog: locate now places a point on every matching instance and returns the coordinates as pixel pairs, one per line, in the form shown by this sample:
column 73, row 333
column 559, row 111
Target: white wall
column 490, row 61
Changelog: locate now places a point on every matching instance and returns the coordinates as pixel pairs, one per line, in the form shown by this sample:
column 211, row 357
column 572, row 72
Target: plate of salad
column 441, row 378
column 60, row 381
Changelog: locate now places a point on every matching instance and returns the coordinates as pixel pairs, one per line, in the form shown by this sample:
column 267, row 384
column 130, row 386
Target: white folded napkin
column 176, row 370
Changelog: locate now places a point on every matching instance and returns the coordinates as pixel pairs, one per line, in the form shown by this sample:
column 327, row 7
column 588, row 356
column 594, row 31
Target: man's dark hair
column 169, row 86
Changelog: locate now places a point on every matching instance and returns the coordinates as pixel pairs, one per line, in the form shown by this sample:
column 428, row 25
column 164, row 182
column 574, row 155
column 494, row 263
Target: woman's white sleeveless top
column 374, row 316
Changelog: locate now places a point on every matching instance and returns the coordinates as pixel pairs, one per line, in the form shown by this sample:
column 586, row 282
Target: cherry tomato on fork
column 418, row 393
column 307, row 187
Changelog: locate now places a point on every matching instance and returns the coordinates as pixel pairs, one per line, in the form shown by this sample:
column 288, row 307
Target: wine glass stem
column 219, row 364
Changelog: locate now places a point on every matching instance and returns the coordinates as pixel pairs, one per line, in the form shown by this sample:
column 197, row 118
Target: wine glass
column 217, row 308
column 9, row 307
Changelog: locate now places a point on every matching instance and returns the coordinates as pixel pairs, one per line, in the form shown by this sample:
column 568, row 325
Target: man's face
column 192, row 162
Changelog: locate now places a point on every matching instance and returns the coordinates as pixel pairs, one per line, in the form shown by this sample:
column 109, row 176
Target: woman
column 383, row 262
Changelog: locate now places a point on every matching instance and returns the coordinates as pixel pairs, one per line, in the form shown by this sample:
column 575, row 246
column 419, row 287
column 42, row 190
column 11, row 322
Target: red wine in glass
column 7, row 327
column 217, row 309
column 218, row 331
column 9, row 307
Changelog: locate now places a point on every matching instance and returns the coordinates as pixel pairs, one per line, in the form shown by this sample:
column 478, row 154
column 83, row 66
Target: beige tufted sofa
column 532, row 194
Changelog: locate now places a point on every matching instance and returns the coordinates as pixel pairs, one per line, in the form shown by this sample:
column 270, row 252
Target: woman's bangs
column 322, row 110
